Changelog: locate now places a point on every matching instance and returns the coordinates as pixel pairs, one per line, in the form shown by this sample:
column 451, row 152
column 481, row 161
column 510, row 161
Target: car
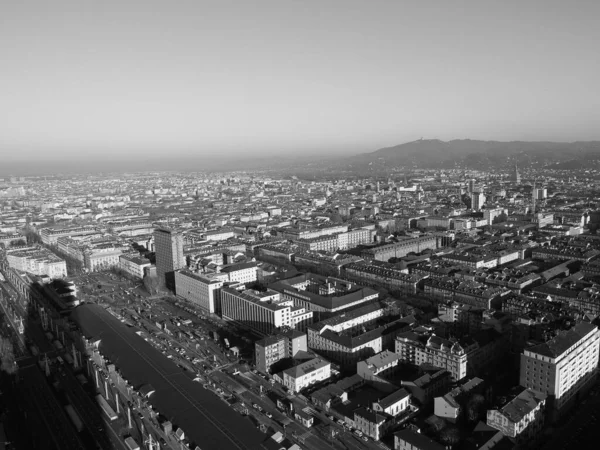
column 366, row 439
column 340, row 422
column 269, row 415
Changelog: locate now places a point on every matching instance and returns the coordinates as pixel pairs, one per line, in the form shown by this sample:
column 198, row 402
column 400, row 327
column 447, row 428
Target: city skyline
column 87, row 81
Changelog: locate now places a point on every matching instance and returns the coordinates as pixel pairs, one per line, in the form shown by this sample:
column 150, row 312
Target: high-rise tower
column 169, row 255
column 516, row 174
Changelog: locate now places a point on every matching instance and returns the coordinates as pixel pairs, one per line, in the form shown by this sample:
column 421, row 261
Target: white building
column 200, row 289
column 522, row 418
column 133, row 265
column 37, row 261
column 563, row 367
column 241, row 272
column 262, row 312
column 307, row 373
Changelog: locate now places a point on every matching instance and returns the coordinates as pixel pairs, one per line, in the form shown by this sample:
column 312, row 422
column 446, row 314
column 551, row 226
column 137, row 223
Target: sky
column 99, row 80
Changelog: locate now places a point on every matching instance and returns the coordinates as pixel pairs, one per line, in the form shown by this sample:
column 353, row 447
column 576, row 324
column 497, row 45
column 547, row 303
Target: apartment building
column 391, row 277
column 562, row 368
column 272, row 349
column 400, row 249
column 521, row 418
column 354, row 238
column 468, row 292
column 50, row 236
column 201, row 289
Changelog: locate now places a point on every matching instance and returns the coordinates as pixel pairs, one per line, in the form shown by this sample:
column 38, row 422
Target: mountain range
column 474, row 154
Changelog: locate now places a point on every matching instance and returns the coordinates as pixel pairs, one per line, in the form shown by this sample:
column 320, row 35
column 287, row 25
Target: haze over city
column 90, row 81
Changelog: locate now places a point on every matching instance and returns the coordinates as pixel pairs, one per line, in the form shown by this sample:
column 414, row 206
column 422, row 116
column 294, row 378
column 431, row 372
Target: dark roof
column 563, row 341
column 205, row 419
column 418, row 441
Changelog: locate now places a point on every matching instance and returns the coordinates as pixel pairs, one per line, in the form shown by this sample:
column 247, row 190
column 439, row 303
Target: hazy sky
column 120, row 77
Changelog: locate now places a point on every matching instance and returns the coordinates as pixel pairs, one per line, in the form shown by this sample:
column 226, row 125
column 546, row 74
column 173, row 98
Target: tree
column 450, row 435
column 475, row 407
column 7, row 356
column 151, row 284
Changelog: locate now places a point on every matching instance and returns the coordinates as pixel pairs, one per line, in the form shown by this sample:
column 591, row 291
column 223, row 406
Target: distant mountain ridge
column 480, row 154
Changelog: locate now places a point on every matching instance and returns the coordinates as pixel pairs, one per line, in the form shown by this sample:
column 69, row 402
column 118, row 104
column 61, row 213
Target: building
column 390, row 278
column 50, row 236
column 467, row 356
column 262, row 312
column 353, row 336
column 241, row 272
column 307, row 373
column 272, row 349
column 371, row 423
column 521, row 418
column 516, row 176
column 410, row 440
column 102, row 256
column 169, row 254
column 323, row 294
column 394, row 404
column 562, row 368
column 133, row 265
column 201, row 289
column 377, row 365
column 37, row 261
column 478, row 200
column 451, row 405
column 400, row 249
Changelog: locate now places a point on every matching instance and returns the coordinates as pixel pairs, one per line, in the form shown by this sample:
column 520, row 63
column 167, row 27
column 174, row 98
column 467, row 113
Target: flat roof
column 206, row 420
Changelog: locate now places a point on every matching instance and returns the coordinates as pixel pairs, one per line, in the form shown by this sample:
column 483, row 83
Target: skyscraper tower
column 516, row 174
column 533, row 198
column 169, row 255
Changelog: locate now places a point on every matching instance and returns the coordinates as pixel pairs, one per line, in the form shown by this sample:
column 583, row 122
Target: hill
column 475, row 154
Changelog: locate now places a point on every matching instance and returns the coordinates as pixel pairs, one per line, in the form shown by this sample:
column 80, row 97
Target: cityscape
column 299, row 225
column 425, row 310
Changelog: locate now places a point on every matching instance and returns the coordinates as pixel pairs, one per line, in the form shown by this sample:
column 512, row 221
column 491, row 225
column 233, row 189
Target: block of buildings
column 355, row 335
column 391, row 278
column 460, row 357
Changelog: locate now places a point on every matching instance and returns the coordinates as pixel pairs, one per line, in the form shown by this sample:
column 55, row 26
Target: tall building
column 516, row 175
column 471, row 186
column 169, row 255
column 478, row 199
column 562, row 368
